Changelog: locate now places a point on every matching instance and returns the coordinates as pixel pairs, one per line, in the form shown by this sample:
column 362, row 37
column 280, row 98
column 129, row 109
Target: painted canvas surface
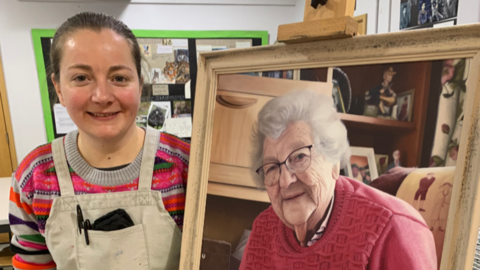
column 429, row 191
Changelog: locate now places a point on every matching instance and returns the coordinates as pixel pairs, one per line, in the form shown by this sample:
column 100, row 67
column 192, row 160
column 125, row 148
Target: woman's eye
column 80, row 78
column 120, row 79
column 300, row 156
column 270, row 169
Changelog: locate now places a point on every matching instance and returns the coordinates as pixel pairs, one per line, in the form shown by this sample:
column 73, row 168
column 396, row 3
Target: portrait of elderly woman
column 319, row 219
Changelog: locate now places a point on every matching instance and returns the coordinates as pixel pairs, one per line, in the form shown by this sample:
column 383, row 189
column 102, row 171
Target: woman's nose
column 102, row 93
column 286, row 177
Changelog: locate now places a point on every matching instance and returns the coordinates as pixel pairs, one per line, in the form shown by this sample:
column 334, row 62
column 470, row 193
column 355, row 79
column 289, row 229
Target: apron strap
column 61, row 168
column 148, row 159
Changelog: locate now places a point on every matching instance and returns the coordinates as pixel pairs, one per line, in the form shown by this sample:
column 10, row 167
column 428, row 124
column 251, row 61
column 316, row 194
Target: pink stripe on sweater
column 32, row 245
column 18, row 258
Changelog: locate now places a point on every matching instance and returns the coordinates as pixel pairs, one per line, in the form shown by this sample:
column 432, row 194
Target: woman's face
column 297, row 195
column 99, row 84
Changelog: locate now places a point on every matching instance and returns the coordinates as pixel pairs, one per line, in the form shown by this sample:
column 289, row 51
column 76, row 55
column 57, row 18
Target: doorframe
column 6, row 113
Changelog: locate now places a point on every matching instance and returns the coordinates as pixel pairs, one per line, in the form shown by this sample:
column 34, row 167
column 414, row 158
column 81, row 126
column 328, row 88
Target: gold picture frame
column 432, row 44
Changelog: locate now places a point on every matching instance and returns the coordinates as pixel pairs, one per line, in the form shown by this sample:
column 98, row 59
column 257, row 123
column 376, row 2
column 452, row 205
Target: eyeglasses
column 297, row 162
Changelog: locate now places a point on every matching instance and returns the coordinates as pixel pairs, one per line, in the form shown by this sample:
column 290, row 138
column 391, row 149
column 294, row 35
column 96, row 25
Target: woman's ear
column 57, row 89
column 336, row 171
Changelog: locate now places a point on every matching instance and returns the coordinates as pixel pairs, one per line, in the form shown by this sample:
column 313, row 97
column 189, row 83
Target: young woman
column 110, row 195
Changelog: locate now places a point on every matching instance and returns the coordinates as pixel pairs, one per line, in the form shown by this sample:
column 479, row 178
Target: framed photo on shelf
column 382, row 163
column 362, row 165
column 405, row 105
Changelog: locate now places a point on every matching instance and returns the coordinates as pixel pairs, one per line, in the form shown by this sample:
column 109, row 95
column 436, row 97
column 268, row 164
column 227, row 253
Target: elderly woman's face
column 297, row 196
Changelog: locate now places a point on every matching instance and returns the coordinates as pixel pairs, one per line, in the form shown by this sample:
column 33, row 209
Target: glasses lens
column 271, row 173
column 299, row 160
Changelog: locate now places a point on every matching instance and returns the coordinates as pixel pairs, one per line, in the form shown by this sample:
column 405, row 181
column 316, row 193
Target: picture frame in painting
column 405, row 105
column 382, row 163
column 362, row 165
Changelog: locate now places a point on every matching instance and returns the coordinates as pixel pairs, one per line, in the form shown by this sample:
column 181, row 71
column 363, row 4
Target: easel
column 323, row 19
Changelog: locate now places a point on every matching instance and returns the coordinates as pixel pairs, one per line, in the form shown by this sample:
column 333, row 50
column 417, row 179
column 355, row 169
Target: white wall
column 468, row 11
column 18, row 18
column 369, row 7
column 299, row 11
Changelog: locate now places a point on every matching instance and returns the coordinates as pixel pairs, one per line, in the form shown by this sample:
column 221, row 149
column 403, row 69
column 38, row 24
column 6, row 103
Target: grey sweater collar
column 95, row 176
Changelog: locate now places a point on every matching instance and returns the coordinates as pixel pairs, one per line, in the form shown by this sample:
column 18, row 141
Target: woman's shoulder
column 34, row 160
column 381, row 200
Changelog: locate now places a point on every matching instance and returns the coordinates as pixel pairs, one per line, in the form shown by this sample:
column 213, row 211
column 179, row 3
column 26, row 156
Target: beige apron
column 153, row 243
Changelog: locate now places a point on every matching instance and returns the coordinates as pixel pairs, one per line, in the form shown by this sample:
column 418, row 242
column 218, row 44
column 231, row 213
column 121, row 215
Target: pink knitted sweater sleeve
column 404, row 243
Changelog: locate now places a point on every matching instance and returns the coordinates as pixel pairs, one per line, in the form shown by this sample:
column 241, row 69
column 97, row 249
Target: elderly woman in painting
column 319, row 219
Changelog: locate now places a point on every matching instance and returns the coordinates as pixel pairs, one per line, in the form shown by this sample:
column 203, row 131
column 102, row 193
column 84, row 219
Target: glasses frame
column 285, row 162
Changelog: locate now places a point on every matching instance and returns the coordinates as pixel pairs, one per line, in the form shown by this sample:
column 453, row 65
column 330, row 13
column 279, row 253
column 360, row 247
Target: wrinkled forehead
column 295, row 135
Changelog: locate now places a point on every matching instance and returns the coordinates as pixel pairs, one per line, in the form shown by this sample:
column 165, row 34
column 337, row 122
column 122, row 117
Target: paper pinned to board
column 164, row 49
column 63, row 122
column 204, row 48
column 180, row 127
column 239, row 45
column 160, row 89
column 188, row 91
column 180, row 42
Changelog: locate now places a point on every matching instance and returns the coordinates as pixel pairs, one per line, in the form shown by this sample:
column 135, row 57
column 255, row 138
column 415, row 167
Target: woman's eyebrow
column 81, row 66
column 270, row 159
column 118, row 67
column 296, row 145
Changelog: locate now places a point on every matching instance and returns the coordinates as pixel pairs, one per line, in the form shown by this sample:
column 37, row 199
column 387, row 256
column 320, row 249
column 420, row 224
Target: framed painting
column 219, row 87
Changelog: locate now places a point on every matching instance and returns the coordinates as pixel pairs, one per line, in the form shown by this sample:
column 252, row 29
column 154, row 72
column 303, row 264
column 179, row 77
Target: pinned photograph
column 405, row 15
column 157, row 75
column 146, row 50
column 362, row 165
column 182, row 107
column 167, row 42
column 169, row 72
column 181, row 55
column 424, row 12
column 158, row 112
column 142, row 114
column 405, row 105
column 183, row 72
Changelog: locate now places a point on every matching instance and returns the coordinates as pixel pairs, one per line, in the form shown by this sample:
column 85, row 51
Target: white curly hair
column 328, row 132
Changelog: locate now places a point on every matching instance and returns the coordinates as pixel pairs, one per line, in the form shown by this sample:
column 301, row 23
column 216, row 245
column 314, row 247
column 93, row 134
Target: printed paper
column 160, row 90
column 63, row 122
column 180, row 127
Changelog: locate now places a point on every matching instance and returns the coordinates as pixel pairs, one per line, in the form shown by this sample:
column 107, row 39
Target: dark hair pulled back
column 95, row 22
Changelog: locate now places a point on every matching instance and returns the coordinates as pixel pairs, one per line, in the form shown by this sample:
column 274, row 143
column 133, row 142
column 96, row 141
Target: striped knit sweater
column 35, row 186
